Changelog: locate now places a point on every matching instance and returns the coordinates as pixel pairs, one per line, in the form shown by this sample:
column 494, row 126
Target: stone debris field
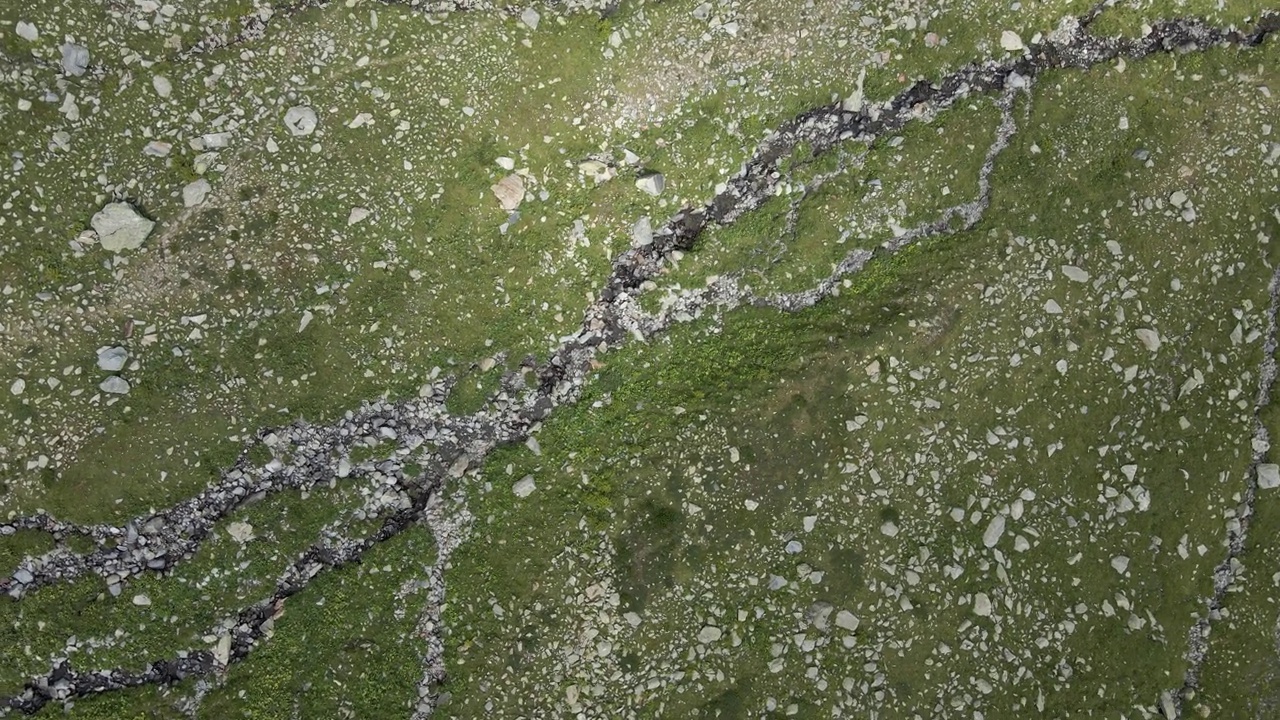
column 639, row 358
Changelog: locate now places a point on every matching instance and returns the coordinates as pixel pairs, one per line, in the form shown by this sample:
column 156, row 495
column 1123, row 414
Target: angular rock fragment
column 114, row 385
column 524, row 487
column 195, row 192
column 1011, row 41
column 509, row 191
column 1268, row 476
column 112, row 359
column 300, row 120
column 75, row 59
column 120, row 227
column 652, row 183
column 27, row 31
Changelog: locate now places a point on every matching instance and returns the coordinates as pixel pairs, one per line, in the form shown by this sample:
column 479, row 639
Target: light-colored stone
column 1268, row 476
column 1011, row 41
column 524, row 487
column 993, row 532
column 981, row 605
column 509, row 191
column 846, row 620
column 1074, row 273
column 18, row 387
column 120, row 227
column 709, row 634
column 653, row 183
column 642, row 232
column 356, row 215
column 300, row 120
column 241, row 532
column 1120, row 563
column 506, row 163
column 114, row 385
column 530, row 17
column 112, row 359
column 195, row 192
column 75, row 59
column 1052, row 307
column 27, row 31
column 162, row 86
column 141, row 600
column 1149, row 338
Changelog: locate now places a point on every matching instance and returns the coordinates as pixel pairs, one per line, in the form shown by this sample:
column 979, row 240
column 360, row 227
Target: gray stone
column 509, row 191
column 1149, row 338
column 846, row 620
column 115, row 385
column 23, row 576
column 120, row 227
column 195, row 192
column 75, row 59
column 524, row 487
column 709, row 634
column 981, row 605
column 162, row 85
column 530, row 17
column 300, row 119
column 112, row 359
column 653, row 183
column 27, row 31
column 642, row 232
column 993, row 532
column 1268, row 476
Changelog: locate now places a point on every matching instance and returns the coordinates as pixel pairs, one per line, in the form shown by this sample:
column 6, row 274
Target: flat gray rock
column 195, row 192
column 642, row 232
column 530, row 17
column 524, row 487
column 75, row 59
column 300, row 119
column 115, row 385
column 652, row 183
column 112, row 359
column 120, row 227
column 27, row 31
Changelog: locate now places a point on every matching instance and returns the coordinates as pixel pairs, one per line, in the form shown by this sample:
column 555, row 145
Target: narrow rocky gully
column 448, row 446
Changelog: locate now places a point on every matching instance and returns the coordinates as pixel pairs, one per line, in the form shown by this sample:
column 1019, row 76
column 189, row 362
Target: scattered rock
column 981, row 605
column 1052, row 307
column 158, row 148
column 300, row 119
column 1074, row 273
column 18, row 386
column 509, row 191
column 1178, row 198
column 162, row 86
column 524, row 487
column 709, row 634
column 23, row 576
column 1120, row 563
column 120, row 227
column 1011, row 41
column 642, row 232
column 1150, row 338
column 357, row 214
column 195, row 192
column 141, row 600
column 993, row 532
column 530, row 17
column 652, row 183
column 506, row 163
column 75, row 59
column 241, row 532
column 1268, row 476
column 27, row 31
column 115, row 385
column 112, row 359
column 846, row 620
